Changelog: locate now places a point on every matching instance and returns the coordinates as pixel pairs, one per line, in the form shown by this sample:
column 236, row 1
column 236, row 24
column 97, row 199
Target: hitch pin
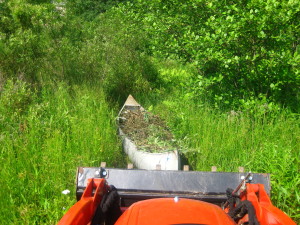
column 242, row 183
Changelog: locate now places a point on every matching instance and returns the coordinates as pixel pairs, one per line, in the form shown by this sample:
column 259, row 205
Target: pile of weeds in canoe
column 147, row 131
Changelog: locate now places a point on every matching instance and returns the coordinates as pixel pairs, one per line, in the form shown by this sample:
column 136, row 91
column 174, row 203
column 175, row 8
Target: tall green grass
column 260, row 138
column 270, row 145
column 45, row 135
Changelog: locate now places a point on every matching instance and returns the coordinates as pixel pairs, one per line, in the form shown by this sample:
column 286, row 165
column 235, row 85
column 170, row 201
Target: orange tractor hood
column 166, row 211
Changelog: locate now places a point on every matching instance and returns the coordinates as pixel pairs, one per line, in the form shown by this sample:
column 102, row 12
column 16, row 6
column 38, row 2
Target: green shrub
column 240, row 49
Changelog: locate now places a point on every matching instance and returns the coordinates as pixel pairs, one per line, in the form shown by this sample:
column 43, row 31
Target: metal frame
column 136, row 185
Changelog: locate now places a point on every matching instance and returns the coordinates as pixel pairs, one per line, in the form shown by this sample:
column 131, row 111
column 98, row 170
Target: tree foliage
column 41, row 42
column 242, row 49
column 23, row 39
column 90, row 9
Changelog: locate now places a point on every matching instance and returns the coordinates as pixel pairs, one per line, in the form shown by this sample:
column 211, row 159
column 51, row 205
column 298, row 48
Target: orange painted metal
column 174, row 210
column 266, row 212
column 166, row 211
column 83, row 211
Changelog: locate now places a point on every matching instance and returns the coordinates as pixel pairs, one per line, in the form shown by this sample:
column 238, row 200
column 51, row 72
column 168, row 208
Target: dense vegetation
column 223, row 74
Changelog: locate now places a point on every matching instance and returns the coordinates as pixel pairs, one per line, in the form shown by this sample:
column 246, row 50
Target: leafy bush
column 241, row 49
column 110, row 57
column 90, row 9
column 23, row 42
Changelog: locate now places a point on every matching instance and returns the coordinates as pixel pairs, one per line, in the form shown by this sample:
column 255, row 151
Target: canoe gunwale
column 168, row 160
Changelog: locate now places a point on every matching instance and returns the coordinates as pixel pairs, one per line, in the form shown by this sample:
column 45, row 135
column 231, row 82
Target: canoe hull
column 147, row 160
column 168, row 160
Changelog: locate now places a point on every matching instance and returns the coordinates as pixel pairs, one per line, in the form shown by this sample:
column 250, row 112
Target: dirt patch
column 147, row 131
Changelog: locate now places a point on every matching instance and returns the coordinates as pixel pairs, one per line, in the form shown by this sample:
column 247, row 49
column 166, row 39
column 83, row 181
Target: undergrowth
column 260, row 137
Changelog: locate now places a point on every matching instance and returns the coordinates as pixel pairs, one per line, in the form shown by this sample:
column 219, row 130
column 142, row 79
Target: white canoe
column 168, row 160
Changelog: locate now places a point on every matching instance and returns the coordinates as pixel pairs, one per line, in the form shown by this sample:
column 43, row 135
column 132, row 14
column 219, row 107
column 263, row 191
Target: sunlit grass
column 58, row 130
column 260, row 139
column 265, row 145
column 46, row 134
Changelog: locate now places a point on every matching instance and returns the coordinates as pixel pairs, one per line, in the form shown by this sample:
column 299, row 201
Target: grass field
column 258, row 138
column 44, row 137
column 47, row 134
column 269, row 145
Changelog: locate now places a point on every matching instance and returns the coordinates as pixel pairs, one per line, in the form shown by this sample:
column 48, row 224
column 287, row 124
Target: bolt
column 176, row 199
